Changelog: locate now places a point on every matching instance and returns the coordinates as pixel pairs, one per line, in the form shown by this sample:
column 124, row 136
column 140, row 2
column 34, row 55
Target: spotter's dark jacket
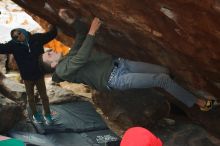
column 26, row 55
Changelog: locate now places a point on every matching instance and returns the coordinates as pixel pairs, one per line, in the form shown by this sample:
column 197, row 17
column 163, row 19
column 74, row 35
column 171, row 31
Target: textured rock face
column 182, row 35
column 10, row 114
column 11, row 89
column 3, row 59
column 132, row 107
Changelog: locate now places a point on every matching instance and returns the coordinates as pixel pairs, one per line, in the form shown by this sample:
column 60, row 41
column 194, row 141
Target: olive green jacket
column 85, row 65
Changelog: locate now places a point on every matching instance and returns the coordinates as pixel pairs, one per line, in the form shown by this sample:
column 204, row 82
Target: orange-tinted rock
column 57, row 46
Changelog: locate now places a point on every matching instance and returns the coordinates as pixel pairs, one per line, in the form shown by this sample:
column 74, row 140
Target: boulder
column 12, row 89
column 3, row 59
column 181, row 35
column 132, row 107
column 10, row 113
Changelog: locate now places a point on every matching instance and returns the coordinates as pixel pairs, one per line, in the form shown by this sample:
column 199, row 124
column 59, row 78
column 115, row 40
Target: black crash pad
column 76, row 124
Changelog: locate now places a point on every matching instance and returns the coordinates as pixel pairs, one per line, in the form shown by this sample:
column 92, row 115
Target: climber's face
column 51, row 58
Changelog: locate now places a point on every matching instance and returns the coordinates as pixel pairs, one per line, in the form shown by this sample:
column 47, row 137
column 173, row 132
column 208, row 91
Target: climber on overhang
column 26, row 49
column 105, row 72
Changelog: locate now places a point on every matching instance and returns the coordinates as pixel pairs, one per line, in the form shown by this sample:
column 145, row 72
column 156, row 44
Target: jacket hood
column 24, row 32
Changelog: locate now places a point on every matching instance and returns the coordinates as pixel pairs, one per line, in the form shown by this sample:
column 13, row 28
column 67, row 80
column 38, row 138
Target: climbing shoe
column 208, row 105
column 48, row 119
column 37, row 118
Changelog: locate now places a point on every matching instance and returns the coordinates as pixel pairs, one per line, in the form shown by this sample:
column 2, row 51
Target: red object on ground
column 138, row 136
column 3, row 138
